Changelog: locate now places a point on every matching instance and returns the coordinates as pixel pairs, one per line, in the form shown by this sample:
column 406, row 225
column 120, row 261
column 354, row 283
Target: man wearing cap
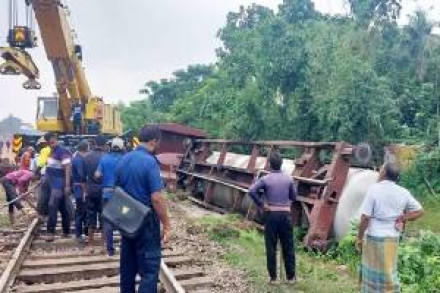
column 44, row 193
column 44, row 154
column 107, row 172
column 94, row 189
column 79, row 184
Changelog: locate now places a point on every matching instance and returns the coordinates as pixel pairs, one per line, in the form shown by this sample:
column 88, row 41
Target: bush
column 419, row 261
column 426, row 167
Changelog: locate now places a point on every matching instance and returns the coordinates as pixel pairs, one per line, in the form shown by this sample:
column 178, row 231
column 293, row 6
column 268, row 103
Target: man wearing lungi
column 386, row 209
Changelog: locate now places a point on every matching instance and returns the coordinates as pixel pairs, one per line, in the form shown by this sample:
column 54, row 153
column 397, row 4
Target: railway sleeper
column 89, row 259
column 72, row 254
column 191, row 279
column 36, row 272
column 66, row 274
column 60, row 243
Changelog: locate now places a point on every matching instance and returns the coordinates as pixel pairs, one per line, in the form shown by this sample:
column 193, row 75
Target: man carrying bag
column 138, row 174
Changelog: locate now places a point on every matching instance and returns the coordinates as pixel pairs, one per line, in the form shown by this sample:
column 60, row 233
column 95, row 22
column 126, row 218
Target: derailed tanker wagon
column 330, row 190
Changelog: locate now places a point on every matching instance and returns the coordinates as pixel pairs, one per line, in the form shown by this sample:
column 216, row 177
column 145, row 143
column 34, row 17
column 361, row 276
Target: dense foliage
column 422, row 175
column 419, row 260
column 300, row 74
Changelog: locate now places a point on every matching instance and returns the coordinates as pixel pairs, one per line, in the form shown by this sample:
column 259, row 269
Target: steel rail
column 14, row 264
column 169, row 282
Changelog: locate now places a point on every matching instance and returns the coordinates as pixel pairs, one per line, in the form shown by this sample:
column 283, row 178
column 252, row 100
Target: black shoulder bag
column 125, row 213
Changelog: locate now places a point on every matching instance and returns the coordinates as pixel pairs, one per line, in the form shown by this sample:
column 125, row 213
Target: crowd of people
column 78, row 183
column 90, row 175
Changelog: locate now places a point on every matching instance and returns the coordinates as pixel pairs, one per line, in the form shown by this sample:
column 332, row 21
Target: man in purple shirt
column 58, row 175
column 279, row 193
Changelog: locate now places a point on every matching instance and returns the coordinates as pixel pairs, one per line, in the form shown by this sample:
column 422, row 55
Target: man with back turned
column 138, row 174
column 384, row 212
column 279, row 192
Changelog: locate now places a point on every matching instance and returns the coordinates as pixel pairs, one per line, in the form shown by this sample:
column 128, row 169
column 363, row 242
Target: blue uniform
column 78, row 169
column 107, row 171
column 77, row 118
column 79, row 179
column 77, row 112
column 139, row 175
column 93, row 189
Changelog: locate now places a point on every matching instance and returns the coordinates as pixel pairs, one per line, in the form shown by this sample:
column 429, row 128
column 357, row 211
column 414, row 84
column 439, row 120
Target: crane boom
column 71, row 83
column 56, row 34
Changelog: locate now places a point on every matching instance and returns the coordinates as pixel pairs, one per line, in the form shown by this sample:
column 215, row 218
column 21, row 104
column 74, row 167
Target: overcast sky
column 127, row 43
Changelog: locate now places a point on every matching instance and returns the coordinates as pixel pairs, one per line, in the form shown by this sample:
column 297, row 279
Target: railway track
column 62, row 266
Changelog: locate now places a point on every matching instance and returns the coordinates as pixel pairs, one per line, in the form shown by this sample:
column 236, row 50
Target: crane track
column 62, row 266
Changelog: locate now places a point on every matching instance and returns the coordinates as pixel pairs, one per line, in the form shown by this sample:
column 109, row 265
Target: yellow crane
column 56, row 113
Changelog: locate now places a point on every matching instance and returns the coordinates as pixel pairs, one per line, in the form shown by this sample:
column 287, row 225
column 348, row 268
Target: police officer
column 139, row 175
column 79, row 179
column 94, row 190
column 107, row 172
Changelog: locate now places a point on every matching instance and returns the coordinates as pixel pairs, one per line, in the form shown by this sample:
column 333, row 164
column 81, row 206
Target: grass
column 246, row 251
column 4, row 221
column 431, row 218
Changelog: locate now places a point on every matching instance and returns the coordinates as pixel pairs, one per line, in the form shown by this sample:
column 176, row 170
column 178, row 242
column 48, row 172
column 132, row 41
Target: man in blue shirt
column 77, row 110
column 58, row 175
column 94, row 190
column 79, row 183
column 138, row 174
column 107, row 172
column 279, row 192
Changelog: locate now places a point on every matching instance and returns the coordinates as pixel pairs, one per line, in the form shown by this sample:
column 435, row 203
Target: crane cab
column 98, row 117
column 22, row 37
column 47, row 115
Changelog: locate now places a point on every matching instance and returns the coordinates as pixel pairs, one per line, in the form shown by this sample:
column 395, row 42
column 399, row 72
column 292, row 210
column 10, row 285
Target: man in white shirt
column 386, row 209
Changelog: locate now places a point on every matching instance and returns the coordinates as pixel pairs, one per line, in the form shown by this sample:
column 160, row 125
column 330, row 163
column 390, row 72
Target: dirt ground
column 208, row 253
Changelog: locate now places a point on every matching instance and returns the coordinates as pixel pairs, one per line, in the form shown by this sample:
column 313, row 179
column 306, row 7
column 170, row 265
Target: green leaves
column 419, row 260
column 296, row 74
column 419, row 263
column 369, row 12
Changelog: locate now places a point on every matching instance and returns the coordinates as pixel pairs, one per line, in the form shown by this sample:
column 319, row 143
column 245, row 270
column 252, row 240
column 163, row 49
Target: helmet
column 41, row 140
column 117, row 143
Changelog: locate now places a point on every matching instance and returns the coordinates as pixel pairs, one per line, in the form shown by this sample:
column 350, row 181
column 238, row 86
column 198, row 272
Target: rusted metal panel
column 172, row 149
column 269, row 143
column 223, row 178
column 181, row 129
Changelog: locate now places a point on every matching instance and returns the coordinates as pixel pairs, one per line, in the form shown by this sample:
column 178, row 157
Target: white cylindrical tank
column 352, row 197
